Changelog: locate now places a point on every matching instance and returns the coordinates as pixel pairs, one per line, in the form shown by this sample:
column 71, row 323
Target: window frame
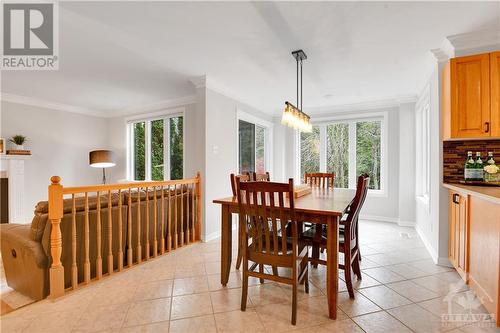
column 268, row 138
column 323, row 122
column 422, row 147
column 164, row 115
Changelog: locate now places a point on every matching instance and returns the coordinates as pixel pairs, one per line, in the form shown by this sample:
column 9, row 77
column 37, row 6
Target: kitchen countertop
column 490, row 193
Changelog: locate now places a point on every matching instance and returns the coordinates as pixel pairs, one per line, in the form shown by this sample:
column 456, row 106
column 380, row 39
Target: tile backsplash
column 455, row 153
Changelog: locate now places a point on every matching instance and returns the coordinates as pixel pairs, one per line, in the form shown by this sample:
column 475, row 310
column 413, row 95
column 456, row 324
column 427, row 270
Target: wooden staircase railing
column 171, row 233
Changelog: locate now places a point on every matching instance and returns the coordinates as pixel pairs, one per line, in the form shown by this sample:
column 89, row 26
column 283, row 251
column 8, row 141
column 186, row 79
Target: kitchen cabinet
column 470, row 97
column 458, row 233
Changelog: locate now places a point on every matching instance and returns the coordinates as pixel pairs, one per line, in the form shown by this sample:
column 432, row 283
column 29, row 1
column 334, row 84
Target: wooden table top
column 321, row 201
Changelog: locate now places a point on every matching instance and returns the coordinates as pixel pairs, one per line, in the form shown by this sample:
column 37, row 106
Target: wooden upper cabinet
column 495, row 93
column 470, row 96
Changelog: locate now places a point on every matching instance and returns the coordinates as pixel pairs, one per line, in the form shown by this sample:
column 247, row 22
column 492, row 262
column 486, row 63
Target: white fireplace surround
column 12, row 167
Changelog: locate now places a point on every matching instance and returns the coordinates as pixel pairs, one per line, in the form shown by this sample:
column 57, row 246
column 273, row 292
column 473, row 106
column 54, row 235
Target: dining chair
column 261, row 177
column 265, row 214
column 244, row 177
column 348, row 239
column 320, row 179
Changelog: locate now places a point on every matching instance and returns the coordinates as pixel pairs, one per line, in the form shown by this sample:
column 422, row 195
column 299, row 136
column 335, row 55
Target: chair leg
column 238, row 260
column 347, row 274
column 244, row 287
column 315, row 255
column 356, row 267
column 275, row 270
column 261, row 270
column 306, row 281
column 294, row 303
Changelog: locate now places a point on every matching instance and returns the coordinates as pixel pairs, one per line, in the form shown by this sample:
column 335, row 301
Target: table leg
column 226, row 245
column 332, row 266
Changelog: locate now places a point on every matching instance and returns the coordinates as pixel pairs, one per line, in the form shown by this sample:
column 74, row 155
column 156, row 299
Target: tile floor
column 401, row 291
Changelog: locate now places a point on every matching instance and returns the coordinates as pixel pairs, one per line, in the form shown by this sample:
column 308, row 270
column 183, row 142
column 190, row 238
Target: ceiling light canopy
column 293, row 116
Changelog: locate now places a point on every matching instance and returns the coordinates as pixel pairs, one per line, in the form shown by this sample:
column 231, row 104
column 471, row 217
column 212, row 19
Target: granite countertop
column 490, row 193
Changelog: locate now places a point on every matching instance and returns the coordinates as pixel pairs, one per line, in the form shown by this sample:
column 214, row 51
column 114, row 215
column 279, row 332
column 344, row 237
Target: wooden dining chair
column 261, row 177
column 244, row 177
column 348, row 239
column 320, row 179
column 264, row 209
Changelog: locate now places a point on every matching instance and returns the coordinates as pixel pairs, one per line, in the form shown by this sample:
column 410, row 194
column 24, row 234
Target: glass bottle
column 469, row 169
column 479, row 175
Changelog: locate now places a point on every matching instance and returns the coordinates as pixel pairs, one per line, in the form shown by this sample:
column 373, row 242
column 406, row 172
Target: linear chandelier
column 292, row 115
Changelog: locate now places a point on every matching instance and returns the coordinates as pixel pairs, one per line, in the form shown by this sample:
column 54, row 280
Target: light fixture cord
column 297, row 60
column 301, row 85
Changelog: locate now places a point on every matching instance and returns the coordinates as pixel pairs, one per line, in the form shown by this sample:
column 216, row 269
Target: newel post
column 56, row 273
column 198, row 206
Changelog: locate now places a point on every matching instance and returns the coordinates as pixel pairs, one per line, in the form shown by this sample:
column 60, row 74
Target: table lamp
column 102, row 159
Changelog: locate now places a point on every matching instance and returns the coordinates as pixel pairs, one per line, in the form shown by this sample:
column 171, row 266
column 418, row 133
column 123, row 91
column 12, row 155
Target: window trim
column 268, row 139
column 422, row 177
column 148, row 118
column 323, row 122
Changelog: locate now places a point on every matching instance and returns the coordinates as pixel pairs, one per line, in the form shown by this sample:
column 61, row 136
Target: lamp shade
column 102, row 159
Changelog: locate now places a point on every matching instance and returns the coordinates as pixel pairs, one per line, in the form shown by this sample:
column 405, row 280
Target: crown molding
column 158, row 106
column 41, row 103
column 458, row 44
column 363, row 106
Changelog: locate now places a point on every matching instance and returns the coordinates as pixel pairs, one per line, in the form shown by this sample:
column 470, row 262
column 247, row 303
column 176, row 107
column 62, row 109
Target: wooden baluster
column 182, row 214
column 56, row 273
column 120, row 232
column 86, row 264
column 147, row 249
column 129, row 229
column 155, row 224
column 139, row 252
column 74, row 267
column 188, row 238
column 192, row 211
column 175, row 217
column 162, row 220
column 198, row 206
column 98, row 226
column 110, row 235
column 169, row 226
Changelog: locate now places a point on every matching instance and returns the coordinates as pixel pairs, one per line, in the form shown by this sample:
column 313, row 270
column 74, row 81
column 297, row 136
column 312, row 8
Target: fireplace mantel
column 12, row 167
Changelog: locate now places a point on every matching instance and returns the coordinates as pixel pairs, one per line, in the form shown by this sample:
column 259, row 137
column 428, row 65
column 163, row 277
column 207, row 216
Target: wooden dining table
column 321, row 206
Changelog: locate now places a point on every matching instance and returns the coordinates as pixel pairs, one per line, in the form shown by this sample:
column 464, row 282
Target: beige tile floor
column 401, row 291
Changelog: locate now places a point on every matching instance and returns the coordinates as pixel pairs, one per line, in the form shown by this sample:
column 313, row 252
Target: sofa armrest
column 18, row 245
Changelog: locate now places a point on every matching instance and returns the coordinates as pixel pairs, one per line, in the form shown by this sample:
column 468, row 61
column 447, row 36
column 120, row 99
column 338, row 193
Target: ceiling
column 115, row 57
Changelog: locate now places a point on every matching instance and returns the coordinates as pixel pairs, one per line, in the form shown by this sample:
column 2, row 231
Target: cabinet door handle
column 487, row 125
column 456, row 198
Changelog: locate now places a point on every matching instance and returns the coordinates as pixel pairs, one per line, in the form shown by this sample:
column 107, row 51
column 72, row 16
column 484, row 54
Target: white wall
column 221, row 153
column 60, row 143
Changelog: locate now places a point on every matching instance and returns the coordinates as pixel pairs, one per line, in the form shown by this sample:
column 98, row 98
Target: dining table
column 321, row 206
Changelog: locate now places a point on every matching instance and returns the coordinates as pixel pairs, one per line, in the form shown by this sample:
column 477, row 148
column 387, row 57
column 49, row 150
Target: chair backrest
column 263, row 206
column 354, row 209
column 245, row 177
column 320, row 179
column 261, row 177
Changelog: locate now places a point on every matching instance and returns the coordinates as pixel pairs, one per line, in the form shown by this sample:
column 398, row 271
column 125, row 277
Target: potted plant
column 19, row 141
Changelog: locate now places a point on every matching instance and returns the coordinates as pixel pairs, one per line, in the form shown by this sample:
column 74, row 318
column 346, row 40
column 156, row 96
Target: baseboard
column 387, row 219
column 215, row 234
column 428, row 245
column 444, row 262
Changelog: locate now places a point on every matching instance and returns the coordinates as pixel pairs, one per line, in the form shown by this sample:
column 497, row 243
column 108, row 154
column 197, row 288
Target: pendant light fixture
column 293, row 115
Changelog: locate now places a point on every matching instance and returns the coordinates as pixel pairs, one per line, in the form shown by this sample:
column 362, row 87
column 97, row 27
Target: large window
column 156, row 149
column 347, row 148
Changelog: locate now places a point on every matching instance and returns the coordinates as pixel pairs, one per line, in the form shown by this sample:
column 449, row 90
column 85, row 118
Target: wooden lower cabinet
column 484, row 252
column 458, row 236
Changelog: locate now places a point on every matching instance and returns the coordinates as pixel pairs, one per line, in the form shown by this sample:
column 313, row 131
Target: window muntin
column 347, row 153
column 156, row 148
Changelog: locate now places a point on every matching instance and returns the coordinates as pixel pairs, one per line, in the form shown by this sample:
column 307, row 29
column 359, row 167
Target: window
column 346, row 147
column 422, row 146
column 309, row 150
column 254, row 143
column 156, row 148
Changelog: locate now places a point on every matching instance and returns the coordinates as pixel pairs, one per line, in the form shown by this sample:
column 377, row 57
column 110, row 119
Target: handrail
column 172, row 233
